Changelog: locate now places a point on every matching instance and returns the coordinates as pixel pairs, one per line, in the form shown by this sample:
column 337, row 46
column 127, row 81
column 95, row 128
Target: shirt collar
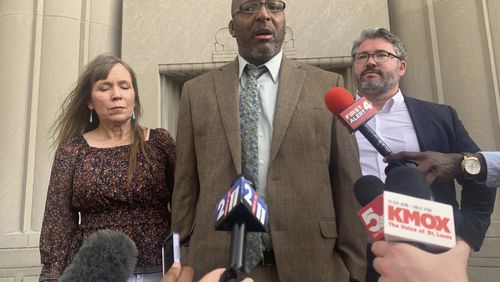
column 272, row 65
column 394, row 103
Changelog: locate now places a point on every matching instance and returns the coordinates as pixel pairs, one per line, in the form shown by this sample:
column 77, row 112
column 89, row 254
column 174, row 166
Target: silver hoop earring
column 133, row 115
column 91, row 120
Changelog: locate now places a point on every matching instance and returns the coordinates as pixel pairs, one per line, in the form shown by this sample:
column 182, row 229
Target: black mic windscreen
column 408, row 181
column 107, row 255
column 367, row 188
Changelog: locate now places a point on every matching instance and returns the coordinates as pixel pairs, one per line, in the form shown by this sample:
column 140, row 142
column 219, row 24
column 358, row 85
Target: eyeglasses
column 378, row 57
column 254, row 7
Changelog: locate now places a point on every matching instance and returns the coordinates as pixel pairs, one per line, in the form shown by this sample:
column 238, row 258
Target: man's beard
column 262, row 54
column 377, row 87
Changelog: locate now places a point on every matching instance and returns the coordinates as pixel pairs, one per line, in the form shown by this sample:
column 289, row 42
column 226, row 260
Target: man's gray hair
column 380, row 32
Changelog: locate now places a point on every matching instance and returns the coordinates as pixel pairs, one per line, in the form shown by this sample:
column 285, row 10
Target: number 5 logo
column 369, row 216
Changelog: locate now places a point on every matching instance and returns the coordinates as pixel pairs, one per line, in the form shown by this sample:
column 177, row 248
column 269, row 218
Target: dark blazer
column 439, row 129
column 313, row 164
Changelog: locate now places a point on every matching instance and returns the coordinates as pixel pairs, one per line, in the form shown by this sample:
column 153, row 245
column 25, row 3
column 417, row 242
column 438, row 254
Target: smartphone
column 170, row 251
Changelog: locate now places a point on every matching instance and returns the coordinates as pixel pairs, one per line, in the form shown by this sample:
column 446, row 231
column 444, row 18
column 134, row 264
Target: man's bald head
column 259, row 33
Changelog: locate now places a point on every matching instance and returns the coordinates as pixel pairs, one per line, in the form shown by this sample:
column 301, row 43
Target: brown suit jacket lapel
column 226, row 91
column 288, row 95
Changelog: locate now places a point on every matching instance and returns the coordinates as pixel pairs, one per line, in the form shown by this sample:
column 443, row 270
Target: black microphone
column 434, row 220
column 408, row 181
column 369, row 190
column 106, row 255
column 355, row 115
column 241, row 210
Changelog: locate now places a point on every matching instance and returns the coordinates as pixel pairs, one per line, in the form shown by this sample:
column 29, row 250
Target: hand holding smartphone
column 170, row 251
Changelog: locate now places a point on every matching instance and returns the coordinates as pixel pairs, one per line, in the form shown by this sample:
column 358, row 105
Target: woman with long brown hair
column 108, row 172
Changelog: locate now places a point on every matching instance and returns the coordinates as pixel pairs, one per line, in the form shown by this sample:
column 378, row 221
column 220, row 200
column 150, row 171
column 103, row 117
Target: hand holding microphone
column 403, row 212
column 411, row 225
column 402, row 262
column 437, row 167
column 240, row 210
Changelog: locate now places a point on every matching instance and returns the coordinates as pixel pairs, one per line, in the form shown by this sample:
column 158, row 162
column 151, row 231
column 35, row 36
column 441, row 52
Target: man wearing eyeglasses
column 409, row 124
column 298, row 157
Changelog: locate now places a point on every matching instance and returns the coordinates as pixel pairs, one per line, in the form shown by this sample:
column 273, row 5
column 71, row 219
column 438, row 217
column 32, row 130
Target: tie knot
column 255, row 72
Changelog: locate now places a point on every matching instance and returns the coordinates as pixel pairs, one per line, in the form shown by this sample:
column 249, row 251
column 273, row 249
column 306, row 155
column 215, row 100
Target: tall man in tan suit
column 307, row 161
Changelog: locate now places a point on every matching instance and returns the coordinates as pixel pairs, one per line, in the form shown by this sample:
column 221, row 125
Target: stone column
column 43, row 46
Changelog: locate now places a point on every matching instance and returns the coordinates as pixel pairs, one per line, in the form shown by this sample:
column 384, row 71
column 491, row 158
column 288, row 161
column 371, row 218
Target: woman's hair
column 75, row 113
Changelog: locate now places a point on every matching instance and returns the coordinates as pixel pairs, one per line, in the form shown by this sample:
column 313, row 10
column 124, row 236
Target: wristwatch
column 471, row 166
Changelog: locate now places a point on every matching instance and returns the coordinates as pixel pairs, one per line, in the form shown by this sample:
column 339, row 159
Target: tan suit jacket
column 314, row 162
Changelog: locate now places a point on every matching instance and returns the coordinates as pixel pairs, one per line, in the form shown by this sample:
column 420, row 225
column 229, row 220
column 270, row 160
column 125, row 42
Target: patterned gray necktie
column 249, row 119
column 249, row 107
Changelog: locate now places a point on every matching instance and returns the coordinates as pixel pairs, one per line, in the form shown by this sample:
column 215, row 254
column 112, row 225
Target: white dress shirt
column 493, row 168
column 394, row 126
column 267, row 85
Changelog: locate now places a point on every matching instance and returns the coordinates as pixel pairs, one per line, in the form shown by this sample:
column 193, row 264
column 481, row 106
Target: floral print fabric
column 89, row 190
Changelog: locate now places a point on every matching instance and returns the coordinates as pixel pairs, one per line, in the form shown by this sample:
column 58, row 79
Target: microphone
column 403, row 213
column 408, row 181
column 106, row 255
column 368, row 190
column 354, row 115
column 240, row 210
column 410, row 216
